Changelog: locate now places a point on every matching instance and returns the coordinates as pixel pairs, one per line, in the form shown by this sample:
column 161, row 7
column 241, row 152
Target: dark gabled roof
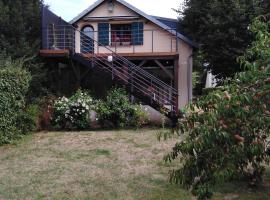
column 172, row 23
column 150, row 18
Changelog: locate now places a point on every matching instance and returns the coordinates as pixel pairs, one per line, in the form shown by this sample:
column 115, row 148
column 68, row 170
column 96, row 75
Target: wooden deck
column 132, row 56
column 54, row 53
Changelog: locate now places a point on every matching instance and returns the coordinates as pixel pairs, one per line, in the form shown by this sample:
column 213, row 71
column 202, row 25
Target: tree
column 227, row 130
column 221, row 27
column 20, row 28
column 20, row 36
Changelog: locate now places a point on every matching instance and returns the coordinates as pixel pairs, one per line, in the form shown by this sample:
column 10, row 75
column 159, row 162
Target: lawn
column 122, row 165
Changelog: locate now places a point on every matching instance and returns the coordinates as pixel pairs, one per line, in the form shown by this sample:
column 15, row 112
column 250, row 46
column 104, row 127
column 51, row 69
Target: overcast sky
column 68, row 9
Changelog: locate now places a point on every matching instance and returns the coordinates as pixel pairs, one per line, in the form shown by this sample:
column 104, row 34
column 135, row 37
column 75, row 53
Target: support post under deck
column 176, row 79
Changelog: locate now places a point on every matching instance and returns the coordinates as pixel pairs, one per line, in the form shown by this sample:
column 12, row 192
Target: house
column 145, row 53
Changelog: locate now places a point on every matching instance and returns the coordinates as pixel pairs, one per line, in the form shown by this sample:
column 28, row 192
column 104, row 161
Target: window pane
column 121, row 34
column 89, row 31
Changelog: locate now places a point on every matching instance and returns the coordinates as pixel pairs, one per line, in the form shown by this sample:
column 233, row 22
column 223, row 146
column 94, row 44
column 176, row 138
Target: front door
column 87, row 36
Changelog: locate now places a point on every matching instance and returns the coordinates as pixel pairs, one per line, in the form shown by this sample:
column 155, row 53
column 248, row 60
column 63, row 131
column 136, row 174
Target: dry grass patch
column 87, row 165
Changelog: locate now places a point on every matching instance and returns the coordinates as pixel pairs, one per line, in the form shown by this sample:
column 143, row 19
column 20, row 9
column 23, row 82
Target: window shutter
column 103, row 34
column 137, row 33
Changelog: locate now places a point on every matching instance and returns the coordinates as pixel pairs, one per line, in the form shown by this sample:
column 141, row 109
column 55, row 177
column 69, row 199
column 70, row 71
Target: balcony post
column 73, row 40
column 176, row 86
column 177, row 42
column 152, row 41
column 64, row 37
column 96, row 43
column 54, row 37
column 171, row 41
column 115, row 47
column 47, row 37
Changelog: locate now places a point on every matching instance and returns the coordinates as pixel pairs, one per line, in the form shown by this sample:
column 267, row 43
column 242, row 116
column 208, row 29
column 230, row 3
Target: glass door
column 87, row 43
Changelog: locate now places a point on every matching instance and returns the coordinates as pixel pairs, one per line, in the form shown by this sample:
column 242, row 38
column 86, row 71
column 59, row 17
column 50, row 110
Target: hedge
column 14, row 84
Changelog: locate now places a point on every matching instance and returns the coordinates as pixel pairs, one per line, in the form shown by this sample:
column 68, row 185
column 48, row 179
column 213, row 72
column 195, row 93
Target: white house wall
column 185, row 73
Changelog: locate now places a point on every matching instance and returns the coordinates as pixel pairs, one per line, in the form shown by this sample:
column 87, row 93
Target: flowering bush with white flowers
column 73, row 112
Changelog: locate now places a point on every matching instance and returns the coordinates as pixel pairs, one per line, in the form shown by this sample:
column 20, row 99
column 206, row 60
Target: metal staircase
column 139, row 81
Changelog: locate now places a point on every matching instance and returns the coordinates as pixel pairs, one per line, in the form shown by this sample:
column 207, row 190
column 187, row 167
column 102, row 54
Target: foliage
column 221, row 29
column 73, row 112
column 14, row 83
column 20, row 37
column 195, row 78
column 20, row 27
column 27, row 119
column 118, row 110
column 201, row 70
column 227, row 129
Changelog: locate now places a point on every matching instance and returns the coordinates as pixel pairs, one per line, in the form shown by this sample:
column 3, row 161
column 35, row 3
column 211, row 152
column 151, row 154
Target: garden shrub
column 45, row 103
column 28, row 118
column 227, row 130
column 73, row 113
column 14, row 84
column 117, row 109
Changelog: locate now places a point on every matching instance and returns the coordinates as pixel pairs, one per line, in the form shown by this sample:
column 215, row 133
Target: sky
column 68, row 9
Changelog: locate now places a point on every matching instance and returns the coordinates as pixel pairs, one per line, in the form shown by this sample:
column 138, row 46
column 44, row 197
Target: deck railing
column 153, row 40
column 63, row 37
column 60, row 37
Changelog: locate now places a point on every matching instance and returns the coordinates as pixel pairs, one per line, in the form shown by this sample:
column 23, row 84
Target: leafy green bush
column 73, row 113
column 118, row 110
column 227, row 129
column 14, row 83
column 27, row 119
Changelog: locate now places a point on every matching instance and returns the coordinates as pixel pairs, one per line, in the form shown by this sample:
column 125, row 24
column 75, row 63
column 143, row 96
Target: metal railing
column 152, row 40
column 63, row 37
column 60, row 37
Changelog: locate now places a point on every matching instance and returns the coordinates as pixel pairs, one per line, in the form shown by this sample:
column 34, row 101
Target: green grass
column 102, row 165
column 102, row 152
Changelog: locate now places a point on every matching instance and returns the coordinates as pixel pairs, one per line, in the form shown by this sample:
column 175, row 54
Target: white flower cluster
column 73, row 108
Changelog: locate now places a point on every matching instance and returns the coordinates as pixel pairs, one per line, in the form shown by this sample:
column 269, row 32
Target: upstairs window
column 121, row 34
